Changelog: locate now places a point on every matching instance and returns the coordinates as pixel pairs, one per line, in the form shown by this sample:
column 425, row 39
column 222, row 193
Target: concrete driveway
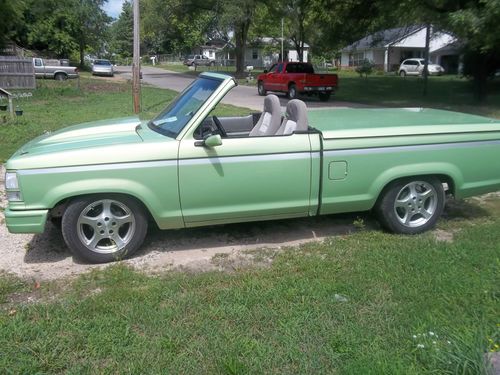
column 241, row 96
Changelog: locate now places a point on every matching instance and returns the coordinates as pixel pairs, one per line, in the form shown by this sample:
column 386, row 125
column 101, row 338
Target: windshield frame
column 172, row 105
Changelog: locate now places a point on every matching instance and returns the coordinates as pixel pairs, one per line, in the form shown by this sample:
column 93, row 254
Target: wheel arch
column 60, row 207
column 60, row 72
column 450, row 176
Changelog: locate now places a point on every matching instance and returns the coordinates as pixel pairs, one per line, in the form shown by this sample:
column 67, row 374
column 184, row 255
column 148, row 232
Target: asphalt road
column 241, row 96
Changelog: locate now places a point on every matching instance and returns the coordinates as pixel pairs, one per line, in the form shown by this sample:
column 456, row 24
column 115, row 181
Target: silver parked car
column 415, row 67
column 102, row 67
column 199, row 60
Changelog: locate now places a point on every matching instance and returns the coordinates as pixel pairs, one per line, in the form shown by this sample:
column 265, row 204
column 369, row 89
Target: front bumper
column 102, row 72
column 32, row 221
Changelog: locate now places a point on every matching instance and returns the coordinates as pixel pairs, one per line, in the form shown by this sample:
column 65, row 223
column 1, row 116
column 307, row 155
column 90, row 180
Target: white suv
column 416, row 67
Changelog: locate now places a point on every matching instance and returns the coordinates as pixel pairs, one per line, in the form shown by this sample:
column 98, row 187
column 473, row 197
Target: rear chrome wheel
column 292, row 91
column 104, row 229
column 416, row 203
column 411, row 206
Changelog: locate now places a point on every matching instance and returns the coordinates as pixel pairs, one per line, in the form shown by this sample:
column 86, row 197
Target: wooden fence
column 16, row 73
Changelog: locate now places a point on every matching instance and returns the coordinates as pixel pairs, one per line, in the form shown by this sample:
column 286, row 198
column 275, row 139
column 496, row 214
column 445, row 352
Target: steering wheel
column 219, row 126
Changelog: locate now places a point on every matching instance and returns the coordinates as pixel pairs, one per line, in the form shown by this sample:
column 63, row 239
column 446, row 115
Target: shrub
column 365, row 68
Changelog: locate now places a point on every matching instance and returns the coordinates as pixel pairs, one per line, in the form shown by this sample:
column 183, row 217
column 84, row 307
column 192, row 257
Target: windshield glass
column 102, row 62
column 173, row 119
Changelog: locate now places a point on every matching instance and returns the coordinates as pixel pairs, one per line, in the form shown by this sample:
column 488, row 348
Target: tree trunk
column 82, row 53
column 426, row 57
column 240, row 35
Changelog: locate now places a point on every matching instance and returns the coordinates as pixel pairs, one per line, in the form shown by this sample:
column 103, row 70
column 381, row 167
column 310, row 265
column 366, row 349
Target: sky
column 113, row 8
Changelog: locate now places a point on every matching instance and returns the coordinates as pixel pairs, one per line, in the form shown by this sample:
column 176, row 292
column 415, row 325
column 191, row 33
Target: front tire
column 402, row 73
column 260, row 89
column 102, row 229
column 292, row 91
column 411, row 205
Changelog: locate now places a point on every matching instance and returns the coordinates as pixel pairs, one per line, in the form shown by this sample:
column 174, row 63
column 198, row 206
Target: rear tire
column 104, row 228
column 324, row 96
column 411, row 205
column 60, row 77
column 402, row 73
column 292, row 91
column 260, row 89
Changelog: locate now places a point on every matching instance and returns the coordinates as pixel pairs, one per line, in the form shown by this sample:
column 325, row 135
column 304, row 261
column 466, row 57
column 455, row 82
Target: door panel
column 245, row 178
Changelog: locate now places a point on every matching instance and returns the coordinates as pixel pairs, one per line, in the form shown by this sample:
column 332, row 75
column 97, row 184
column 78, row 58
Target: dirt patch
column 444, row 235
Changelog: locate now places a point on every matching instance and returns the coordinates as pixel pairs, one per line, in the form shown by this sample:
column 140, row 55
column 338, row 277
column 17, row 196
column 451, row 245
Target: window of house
column 356, row 59
column 255, row 54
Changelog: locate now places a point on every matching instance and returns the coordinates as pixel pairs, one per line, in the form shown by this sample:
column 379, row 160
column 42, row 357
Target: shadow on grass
column 461, row 209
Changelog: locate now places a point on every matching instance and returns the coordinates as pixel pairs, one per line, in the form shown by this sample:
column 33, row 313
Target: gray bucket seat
column 295, row 118
column 270, row 120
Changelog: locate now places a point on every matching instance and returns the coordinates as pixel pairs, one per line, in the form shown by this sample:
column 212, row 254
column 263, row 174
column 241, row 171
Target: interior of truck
column 269, row 122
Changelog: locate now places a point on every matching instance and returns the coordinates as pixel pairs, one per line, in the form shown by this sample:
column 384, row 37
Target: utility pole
column 136, row 65
column 282, row 56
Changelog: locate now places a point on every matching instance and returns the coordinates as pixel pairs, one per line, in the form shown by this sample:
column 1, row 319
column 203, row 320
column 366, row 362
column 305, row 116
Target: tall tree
column 63, row 27
column 11, row 16
column 122, row 32
column 238, row 17
column 90, row 24
column 176, row 25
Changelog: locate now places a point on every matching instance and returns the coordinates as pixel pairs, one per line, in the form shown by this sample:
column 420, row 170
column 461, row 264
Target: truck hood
column 99, row 142
column 91, row 134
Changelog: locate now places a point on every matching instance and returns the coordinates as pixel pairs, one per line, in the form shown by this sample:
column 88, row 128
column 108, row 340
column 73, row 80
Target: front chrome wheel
column 106, row 226
column 416, row 204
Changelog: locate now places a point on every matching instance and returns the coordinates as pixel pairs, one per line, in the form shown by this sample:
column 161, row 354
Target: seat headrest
column 296, row 110
column 271, row 104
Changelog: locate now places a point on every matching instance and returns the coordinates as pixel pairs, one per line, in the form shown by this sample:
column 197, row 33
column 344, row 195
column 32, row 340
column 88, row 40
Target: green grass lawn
column 447, row 92
column 363, row 303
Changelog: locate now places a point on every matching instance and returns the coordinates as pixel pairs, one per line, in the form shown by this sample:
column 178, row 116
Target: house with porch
column 388, row 48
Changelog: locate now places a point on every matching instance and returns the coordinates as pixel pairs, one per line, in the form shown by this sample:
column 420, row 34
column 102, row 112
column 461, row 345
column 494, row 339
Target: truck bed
column 387, row 122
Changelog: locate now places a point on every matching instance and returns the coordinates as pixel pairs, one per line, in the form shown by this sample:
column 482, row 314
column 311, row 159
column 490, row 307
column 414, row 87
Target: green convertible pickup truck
column 108, row 180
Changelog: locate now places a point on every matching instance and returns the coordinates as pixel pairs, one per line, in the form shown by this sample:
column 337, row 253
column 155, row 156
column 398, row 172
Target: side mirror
column 210, row 141
column 265, row 70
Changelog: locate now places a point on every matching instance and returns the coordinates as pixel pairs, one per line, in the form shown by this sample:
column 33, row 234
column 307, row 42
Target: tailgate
column 319, row 79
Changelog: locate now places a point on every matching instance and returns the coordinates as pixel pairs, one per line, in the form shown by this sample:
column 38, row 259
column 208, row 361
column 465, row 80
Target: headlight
column 12, row 187
column 14, row 196
column 11, row 181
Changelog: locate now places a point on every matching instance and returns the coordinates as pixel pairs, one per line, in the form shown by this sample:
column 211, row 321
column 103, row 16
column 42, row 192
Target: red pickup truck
column 296, row 78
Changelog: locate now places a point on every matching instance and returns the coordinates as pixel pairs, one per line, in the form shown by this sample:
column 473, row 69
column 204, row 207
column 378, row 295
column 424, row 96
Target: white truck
column 53, row 71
